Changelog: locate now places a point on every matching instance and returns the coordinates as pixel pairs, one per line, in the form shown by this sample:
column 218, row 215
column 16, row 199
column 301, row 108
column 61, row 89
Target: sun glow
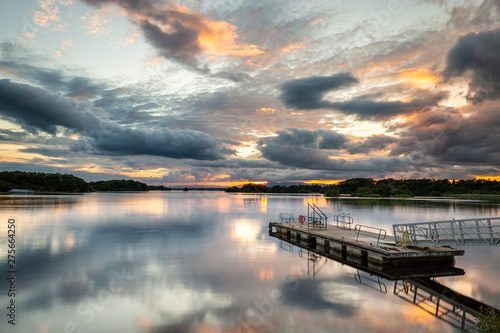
column 419, row 77
column 497, row 178
column 221, row 184
column 247, row 148
column 215, row 37
column 245, row 231
column 326, row 182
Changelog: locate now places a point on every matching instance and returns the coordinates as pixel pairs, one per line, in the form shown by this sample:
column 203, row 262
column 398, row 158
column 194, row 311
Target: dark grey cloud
column 295, row 147
column 331, row 140
column 165, row 142
column 49, row 78
column 127, row 4
column 53, row 79
column 368, row 109
column 308, row 93
column 83, row 88
column 453, row 139
column 181, row 43
column 322, row 150
column 372, row 143
column 477, row 53
column 36, row 109
column 306, row 139
column 468, row 16
column 39, row 110
column 14, row 136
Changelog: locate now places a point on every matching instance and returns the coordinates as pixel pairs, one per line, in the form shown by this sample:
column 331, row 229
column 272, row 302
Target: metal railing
column 286, row 246
column 375, row 281
column 316, row 219
column 457, row 310
column 344, row 220
column 286, row 218
column 377, row 233
column 317, row 261
column 479, row 231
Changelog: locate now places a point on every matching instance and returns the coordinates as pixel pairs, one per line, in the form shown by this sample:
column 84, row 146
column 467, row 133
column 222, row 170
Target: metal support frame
column 316, row 219
column 479, row 231
column 443, row 303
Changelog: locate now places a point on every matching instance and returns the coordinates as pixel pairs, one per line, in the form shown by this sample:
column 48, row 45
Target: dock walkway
column 366, row 245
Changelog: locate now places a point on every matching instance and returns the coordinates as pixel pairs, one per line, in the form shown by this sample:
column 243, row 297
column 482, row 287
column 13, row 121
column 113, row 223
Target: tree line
column 368, row 187
column 258, row 188
column 56, row 182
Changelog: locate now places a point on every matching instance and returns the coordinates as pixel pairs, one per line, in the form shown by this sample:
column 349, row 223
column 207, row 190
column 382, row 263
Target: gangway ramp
column 460, row 232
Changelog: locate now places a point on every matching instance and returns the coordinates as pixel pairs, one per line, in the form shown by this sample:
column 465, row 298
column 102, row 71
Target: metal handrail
column 479, row 231
column 344, row 219
column 321, row 221
column 286, row 218
column 370, row 234
column 381, row 286
column 284, row 246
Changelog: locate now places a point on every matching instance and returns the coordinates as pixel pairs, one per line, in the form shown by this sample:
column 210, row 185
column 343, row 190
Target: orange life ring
column 302, row 218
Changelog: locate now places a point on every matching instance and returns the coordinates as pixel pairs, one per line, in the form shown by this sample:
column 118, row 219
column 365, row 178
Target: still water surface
column 204, row 262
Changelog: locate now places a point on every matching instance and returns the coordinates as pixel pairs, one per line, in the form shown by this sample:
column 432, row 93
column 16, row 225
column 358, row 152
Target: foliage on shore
column 42, row 182
column 257, row 188
column 159, row 188
column 488, row 321
column 118, row 185
column 56, row 182
column 368, row 187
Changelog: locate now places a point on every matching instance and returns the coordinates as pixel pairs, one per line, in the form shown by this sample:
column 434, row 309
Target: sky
column 220, row 93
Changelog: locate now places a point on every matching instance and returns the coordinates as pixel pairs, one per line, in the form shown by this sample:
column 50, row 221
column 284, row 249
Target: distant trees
column 39, row 181
column 368, row 187
column 257, row 188
column 332, row 191
column 159, row 188
column 56, row 182
column 360, row 187
column 119, row 185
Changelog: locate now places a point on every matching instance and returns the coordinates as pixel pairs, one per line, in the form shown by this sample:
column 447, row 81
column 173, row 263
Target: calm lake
column 204, row 262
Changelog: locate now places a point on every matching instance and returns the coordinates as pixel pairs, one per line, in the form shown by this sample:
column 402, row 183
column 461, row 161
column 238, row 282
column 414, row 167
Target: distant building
column 21, row 191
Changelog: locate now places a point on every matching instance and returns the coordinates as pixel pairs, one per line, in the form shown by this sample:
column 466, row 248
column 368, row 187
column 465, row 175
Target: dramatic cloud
column 308, row 93
column 39, row 110
column 453, row 139
column 369, row 109
column 306, row 139
column 182, row 43
column 301, row 148
column 286, row 91
column 167, row 143
column 180, row 34
column 478, row 53
column 372, row 143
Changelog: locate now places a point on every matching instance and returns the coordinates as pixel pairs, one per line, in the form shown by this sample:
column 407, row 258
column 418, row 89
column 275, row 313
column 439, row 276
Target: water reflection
column 417, row 287
column 204, row 262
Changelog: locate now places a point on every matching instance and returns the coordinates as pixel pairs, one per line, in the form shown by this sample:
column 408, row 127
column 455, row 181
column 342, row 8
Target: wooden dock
column 366, row 251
